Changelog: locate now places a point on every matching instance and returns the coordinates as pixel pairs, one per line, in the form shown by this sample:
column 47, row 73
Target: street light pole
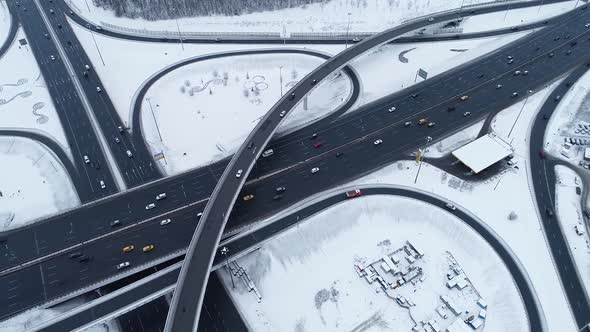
column 178, row 28
column 154, row 116
column 224, row 252
column 347, row 29
column 281, row 79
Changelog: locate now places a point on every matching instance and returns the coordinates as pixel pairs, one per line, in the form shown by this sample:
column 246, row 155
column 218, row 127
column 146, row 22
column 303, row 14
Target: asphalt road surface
column 351, row 135
column 185, row 306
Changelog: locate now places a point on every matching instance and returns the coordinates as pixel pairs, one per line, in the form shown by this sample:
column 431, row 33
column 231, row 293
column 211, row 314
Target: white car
column 451, row 206
column 431, row 19
column 161, row 196
column 199, row 215
column 499, row 86
column 164, row 222
column 150, row 206
column 102, row 185
column 117, row 140
column 52, row 57
column 129, row 154
column 377, row 142
column 98, row 89
column 315, row 170
column 122, row 265
column 267, row 153
column 239, row 173
column 392, row 109
column 283, row 113
column 467, row 114
column 86, row 159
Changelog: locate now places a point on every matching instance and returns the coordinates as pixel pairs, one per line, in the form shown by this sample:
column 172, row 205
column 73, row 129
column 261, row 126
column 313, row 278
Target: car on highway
column 557, row 98
column 587, row 25
column 280, row 189
column 248, row 197
column 117, row 140
column 86, row 159
column 451, row 206
column 407, row 124
column 549, row 211
column 551, row 54
column 568, row 52
column 431, row 124
column 422, row 121
column 150, row 206
column 391, row 109
column 524, row 73
column 510, row 57
column 239, row 173
column 315, row 170
column 115, row 223
column 428, row 138
column 98, row 89
column 46, row 36
column 314, row 136
column 122, row 265
column 499, row 86
column 545, row 116
column 160, row 196
column 98, row 28
column 353, row 193
column 514, row 94
column 267, row 153
column 451, row 108
column 51, row 11
column 277, row 197
column 377, row 142
column 431, row 19
column 129, row 154
column 282, row 114
column 292, row 96
column 165, row 222
column 147, row 248
column 415, row 95
column 516, row 72
column 102, row 185
column 356, row 39
column 314, row 82
column 52, row 57
column 467, row 114
column 339, row 154
column 200, row 214
column 84, row 259
column 121, row 129
column 317, row 145
column 128, row 248
column 510, row 61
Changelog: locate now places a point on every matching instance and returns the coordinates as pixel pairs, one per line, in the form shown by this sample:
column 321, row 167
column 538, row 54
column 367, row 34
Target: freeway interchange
column 45, row 273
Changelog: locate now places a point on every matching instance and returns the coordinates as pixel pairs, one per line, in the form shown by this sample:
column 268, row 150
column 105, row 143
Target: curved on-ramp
column 136, row 123
column 144, row 290
column 187, row 301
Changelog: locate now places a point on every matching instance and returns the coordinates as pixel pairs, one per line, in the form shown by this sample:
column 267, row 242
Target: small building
column 385, row 266
column 476, row 323
column 415, row 249
column 451, row 305
column 462, row 284
column 434, row 325
column 482, row 314
column 482, row 304
column 455, row 280
column 483, row 152
column 587, row 154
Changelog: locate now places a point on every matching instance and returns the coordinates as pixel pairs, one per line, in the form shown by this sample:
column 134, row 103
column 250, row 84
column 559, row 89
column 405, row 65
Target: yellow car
column 248, row 197
column 148, row 248
column 128, row 248
column 422, row 121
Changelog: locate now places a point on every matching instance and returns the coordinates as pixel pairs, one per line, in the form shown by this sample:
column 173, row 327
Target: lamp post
column 281, row 79
column 347, row 29
column 178, row 27
column 224, row 252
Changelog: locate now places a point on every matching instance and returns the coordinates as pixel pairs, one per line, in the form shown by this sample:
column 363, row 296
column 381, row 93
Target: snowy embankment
column 5, row 20
column 330, row 16
column 24, row 99
column 568, row 209
column 26, row 320
column 32, row 183
column 317, row 258
column 203, row 111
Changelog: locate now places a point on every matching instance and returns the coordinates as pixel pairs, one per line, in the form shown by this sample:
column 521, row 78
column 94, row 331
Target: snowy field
column 25, row 321
column 213, row 105
column 569, row 213
column 372, row 65
column 330, row 16
column 24, row 99
column 316, row 257
column 5, row 20
column 33, row 183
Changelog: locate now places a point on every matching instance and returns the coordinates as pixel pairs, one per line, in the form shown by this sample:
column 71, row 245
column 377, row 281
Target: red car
column 353, row 193
column 317, row 145
column 542, row 154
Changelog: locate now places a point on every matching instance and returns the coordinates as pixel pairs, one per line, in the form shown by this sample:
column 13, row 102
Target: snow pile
column 573, row 223
column 307, row 281
column 202, row 112
column 382, row 71
column 453, row 142
column 24, row 99
column 33, row 183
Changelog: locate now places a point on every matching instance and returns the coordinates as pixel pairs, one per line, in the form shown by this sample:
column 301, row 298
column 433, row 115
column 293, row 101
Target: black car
column 277, row 197
column 451, row 108
column 75, row 255
column 549, row 211
column 84, row 259
column 339, row 154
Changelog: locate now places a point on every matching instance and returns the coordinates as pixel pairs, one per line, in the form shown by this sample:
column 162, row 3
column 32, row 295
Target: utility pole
column 347, row 30
column 281, row 79
column 224, row 252
column 154, row 116
column 178, row 27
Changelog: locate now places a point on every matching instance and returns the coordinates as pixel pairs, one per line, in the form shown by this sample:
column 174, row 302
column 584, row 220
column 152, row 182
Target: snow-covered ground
column 329, row 16
column 316, row 257
column 453, row 142
column 203, row 112
column 569, row 213
column 24, row 99
column 565, row 122
column 372, row 65
column 5, row 20
column 26, row 320
column 33, row 183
